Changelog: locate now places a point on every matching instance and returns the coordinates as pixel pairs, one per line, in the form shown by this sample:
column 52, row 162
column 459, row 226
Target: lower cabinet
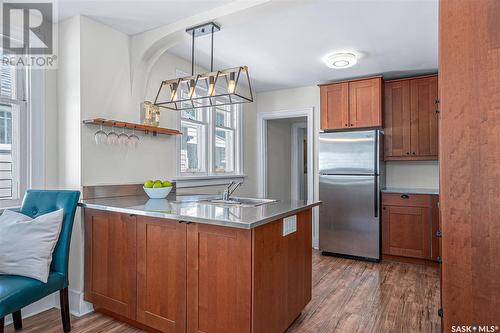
column 174, row 276
column 219, row 279
column 409, row 225
column 110, row 261
column 161, row 274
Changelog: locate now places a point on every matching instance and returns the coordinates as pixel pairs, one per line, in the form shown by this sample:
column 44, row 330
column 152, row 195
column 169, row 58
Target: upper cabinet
column 411, row 119
column 351, row 104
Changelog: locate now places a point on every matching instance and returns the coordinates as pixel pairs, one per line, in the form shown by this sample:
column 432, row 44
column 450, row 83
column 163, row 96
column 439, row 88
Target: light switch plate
column 289, row 225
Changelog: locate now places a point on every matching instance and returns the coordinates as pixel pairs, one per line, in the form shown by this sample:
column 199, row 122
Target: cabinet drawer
column 405, row 199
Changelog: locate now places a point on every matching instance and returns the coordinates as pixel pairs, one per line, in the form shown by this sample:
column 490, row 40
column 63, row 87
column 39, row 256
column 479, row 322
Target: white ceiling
column 135, row 16
column 283, row 42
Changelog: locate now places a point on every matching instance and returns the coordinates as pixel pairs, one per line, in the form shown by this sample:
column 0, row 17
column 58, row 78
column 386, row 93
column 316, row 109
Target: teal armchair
column 16, row 292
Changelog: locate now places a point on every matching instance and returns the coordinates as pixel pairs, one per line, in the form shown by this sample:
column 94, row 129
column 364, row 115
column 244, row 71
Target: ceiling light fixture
column 339, row 60
column 216, row 88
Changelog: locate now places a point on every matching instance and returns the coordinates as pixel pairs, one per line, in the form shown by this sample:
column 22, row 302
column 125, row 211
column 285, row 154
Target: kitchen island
column 183, row 264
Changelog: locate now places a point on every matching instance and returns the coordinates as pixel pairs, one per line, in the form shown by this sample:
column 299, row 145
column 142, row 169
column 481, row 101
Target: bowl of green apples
column 157, row 189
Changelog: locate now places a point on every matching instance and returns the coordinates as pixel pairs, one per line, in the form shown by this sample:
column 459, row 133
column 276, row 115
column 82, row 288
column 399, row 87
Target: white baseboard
column 77, row 306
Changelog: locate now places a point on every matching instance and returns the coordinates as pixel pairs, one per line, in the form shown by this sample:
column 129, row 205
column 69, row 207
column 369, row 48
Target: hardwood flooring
column 348, row 296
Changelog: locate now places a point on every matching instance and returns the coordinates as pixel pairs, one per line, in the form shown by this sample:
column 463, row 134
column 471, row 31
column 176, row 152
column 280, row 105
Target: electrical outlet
column 289, row 225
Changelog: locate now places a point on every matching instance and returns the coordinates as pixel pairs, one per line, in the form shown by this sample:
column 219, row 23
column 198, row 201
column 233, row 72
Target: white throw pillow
column 26, row 244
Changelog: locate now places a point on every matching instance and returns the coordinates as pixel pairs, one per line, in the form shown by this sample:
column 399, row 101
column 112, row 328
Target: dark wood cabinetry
column 408, row 225
column 161, row 274
column 110, row 261
column 469, row 72
column 351, row 104
column 281, row 294
column 175, row 277
column 411, row 119
column 219, row 279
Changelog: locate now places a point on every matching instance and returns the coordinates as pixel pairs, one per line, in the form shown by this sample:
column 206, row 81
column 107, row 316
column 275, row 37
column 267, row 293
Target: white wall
column 279, row 159
column 420, row 174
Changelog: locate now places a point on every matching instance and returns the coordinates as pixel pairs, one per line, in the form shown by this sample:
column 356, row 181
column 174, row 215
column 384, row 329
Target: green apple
column 157, row 185
column 158, row 182
column 149, row 184
column 167, row 183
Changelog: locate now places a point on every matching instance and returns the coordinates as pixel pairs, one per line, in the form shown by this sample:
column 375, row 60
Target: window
column 14, row 122
column 210, row 141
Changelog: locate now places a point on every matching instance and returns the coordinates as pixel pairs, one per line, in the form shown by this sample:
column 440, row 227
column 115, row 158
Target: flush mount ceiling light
column 339, row 60
column 216, row 88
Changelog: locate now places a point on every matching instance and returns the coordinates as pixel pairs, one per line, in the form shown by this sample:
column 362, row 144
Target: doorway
column 286, row 169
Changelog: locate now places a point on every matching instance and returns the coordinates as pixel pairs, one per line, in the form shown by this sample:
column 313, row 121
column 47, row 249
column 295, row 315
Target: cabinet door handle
column 405, row 196
column 413, row 153
column 439, row 259
column 407, row 153
column 439, row 234
column 352, row 125
column 345, row 125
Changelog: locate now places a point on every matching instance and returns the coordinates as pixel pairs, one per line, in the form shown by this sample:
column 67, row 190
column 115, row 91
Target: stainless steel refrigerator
column 351, row 176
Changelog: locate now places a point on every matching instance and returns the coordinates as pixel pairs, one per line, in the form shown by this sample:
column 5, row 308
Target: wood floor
column 348, row 296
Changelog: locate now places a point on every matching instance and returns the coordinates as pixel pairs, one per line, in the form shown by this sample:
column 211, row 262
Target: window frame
column 30, row 155
column 208, row 117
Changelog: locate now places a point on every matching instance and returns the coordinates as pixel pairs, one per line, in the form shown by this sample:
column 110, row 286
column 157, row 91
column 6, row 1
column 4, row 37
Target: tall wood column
column 469, row 155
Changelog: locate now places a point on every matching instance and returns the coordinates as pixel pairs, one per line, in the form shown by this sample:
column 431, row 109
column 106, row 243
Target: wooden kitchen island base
column 171, row 276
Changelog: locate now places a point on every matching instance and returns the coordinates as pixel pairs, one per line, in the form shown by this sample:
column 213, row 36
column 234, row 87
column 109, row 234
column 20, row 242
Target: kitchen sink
column 240, row 202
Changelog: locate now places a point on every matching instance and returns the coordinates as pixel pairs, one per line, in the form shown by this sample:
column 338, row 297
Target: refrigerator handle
column 375, row 169
column 376, row 152
column 375, row 200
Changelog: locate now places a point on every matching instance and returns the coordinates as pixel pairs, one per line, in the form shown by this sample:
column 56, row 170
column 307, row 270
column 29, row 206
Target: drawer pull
column 405, row 196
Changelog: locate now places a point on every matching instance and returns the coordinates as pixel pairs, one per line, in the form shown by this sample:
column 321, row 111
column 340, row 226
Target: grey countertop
column 411, row 190
column 189, row 208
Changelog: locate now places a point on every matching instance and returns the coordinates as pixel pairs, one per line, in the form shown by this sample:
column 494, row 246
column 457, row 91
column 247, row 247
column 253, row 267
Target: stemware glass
column 133, row 140
column 112, row 136
column 100, row 137
column 123, row 138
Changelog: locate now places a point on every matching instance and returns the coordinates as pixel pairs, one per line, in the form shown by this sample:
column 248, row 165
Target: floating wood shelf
column 139, row 127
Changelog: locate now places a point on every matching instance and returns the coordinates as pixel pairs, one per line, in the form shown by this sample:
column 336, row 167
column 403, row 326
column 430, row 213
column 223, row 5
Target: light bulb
column 211, row 86
column 192, row 86
column 231, row 86
column 173, row 94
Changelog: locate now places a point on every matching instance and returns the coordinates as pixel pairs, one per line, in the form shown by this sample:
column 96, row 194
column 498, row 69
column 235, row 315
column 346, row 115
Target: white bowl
column 157, row 193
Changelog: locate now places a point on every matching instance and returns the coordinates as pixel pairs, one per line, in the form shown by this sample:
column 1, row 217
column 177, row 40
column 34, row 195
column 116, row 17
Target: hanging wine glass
column 133, row 140
column 112, row 136
column 123, row 138
column 100, row 137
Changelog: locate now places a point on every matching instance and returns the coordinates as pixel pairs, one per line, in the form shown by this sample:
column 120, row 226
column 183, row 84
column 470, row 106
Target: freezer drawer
column 349, row 221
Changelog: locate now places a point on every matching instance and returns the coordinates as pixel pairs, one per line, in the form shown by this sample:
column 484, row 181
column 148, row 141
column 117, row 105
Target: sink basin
column 241, row 202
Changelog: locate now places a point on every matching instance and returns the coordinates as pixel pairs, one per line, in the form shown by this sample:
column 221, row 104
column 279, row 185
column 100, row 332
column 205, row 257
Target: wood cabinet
column 411, row 119
column 110, row 261
column 409, row 224
column 351, row 104
column 161, row 274
column 174, row 277
column 281, row 294
column 219, row 279
column 469, row 65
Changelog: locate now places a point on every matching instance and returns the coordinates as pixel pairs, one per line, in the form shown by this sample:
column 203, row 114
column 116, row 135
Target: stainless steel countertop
column 186, row 208
column 411, row 190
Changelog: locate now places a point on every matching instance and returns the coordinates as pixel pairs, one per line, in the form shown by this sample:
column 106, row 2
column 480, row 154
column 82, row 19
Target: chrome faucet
column 230, row 189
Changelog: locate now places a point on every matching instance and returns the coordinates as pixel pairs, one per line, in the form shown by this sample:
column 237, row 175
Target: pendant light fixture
column 215, row 88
